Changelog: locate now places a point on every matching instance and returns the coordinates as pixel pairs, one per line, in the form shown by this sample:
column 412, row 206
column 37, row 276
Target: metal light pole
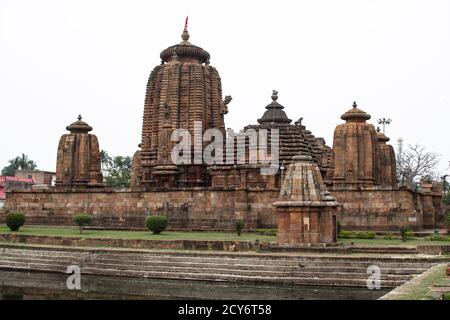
column 444, row 182
column 384, row 122
column 282, row 168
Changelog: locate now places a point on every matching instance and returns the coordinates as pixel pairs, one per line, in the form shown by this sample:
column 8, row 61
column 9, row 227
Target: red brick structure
column 306, row 212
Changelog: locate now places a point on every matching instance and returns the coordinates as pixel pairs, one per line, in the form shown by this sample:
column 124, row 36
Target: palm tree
column 105, row 159
column 19, row 163
column 25, row 163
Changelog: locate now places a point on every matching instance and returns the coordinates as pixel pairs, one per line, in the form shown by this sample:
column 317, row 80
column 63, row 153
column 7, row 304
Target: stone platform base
column 189, row 209
column 379, row 209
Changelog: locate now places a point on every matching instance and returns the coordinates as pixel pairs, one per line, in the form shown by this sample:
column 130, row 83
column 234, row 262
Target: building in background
column 39, row 177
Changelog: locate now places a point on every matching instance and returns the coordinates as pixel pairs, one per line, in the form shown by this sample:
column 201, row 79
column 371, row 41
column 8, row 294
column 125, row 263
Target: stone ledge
column 227, row 245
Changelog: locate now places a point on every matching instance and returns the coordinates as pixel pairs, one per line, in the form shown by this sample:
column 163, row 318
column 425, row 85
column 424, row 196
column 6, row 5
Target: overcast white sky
column 61, row 58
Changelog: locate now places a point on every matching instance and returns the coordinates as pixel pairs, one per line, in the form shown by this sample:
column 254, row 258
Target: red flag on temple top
column 186, row 24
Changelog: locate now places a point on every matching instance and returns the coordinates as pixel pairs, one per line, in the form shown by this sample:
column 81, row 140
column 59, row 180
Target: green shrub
column 438, row 238
column 388, row 236
column 156, row 224
column 239, row 225
column 344, row 234
column 405, row 233
column 266, row 232
column 446, row 296
column 82, row 220
column 367, row 235
column 15, row 220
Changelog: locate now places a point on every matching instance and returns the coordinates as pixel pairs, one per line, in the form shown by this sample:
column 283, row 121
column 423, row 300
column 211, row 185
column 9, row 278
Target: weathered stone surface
column 386, row 175
column 183, row 90
column 354, row 149
column 359, row 171
column 195, row 209
column 306, row 211
column 78, row 160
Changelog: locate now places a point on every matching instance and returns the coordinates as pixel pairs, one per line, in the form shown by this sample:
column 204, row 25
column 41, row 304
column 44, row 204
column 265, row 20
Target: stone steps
column 179, row 272
column 384, row 249
column 245, row 267
column 232, row 261
column 307, row 270
column 207, row 267
column 240, row 278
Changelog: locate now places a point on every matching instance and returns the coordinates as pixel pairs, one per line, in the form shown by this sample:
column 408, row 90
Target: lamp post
column 384, row 122
column 282, row 168
column 444, row 182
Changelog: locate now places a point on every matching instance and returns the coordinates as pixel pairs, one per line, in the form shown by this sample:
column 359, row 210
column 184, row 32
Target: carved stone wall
column 386, row 175
column 183, row 91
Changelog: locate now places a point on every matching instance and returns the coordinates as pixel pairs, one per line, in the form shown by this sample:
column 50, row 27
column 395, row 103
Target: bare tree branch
column 415, row 163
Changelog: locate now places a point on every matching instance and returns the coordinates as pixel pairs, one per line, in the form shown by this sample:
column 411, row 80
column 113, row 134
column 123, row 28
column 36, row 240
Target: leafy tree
column 82, row 220
column 119, row 172
column 447, row 198
column 18, row 163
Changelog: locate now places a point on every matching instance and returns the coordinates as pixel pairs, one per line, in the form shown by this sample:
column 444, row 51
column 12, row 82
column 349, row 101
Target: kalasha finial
column 274, row 95
column 378, row 129
column 354, row 104
column 79, row 117
column 185, row 34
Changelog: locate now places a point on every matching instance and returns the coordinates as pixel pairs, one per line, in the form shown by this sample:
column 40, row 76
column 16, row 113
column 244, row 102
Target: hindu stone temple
column 78, row 158
column 311, row 187
column 306, row 211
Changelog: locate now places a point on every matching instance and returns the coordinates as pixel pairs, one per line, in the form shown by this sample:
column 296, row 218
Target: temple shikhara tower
column 354, row 148
column 311, row 187
column 183, row 92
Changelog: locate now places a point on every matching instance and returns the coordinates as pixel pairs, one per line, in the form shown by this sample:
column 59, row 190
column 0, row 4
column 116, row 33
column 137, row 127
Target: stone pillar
column 306, row 212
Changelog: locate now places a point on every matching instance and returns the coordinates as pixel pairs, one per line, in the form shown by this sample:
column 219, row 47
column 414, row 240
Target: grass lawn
column 195, row 235
column 166, row 235
column 419, row 287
